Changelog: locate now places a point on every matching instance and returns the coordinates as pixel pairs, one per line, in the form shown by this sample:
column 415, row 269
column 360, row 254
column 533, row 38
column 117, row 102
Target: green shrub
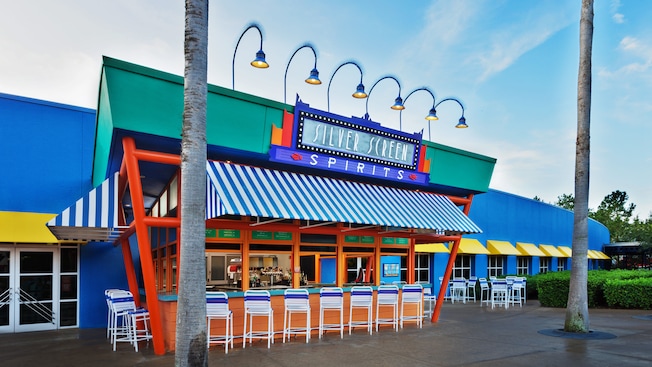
column 629, row 293
column 615, row 288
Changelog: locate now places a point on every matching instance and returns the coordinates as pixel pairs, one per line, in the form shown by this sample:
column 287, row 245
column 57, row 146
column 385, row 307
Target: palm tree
column 191, row 347
column 577, row 309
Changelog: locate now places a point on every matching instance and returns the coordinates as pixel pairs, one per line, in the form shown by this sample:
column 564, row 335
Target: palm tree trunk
column 577, row 310
column 191, row 347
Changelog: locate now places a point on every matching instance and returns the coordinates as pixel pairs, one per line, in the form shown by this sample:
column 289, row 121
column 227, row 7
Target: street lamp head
column 359, row 92
column 259, row 61
column 462, row 123
column 398, row 104
column 432, row 115
column 314, row 77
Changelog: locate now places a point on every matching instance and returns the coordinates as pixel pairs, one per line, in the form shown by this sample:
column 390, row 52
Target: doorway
column 29, row 285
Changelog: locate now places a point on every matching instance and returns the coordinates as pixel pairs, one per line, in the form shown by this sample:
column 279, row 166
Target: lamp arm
column 372, row 88
column 253, row 25
column 328, row 90
column 285, row 78
column 451, row 99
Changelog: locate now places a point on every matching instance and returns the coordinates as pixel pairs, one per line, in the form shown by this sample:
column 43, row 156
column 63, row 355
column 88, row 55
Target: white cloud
column 617, row 17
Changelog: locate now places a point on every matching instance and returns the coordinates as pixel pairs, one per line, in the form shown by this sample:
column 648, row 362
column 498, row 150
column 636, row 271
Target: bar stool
column 429, row 297
column 217, row 308
column 470, row 288
column 485, row 291
column 499, row 294
column 412, row 295
column 362, row 297
column 109, row 315
column 387, row 297
column 258, row 303
column 331, row 299
column 129, row 323
column 296, row 301
column 516, row 293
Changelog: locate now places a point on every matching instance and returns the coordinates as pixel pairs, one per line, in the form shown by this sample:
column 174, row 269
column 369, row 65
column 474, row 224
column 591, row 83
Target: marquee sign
column 319, row 139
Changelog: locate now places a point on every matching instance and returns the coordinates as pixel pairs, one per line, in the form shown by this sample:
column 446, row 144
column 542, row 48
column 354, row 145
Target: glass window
column 523, row 265
column 495, row 268
column 561, row 264
column 68, row 260
column 544, row 264
column 462, row 266
column 422, row 268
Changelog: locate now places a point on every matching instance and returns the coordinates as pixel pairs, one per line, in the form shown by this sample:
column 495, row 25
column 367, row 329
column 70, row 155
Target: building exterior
column 295, row 197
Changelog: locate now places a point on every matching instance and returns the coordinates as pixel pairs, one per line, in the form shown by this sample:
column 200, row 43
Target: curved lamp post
column 359, row 91
column 314, row 73
column 398, row 102
column 432, row 114
column 461, row 124
column 258, row 62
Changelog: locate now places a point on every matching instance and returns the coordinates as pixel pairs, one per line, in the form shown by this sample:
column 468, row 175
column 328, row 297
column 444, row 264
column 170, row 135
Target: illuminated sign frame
column 353, row 145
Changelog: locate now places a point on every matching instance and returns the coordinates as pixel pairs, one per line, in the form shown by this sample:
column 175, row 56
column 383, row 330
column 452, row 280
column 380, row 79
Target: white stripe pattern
column 253, row 191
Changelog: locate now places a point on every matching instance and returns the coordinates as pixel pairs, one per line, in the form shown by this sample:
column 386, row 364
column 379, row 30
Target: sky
column 513, row 65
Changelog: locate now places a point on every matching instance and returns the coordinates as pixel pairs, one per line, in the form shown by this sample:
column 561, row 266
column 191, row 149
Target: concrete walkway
column 466, row 335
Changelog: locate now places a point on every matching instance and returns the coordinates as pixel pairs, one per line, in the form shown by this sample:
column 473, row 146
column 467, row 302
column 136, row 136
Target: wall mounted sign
column 352, row 145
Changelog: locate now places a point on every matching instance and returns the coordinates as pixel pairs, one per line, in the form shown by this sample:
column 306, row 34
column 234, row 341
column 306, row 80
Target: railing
column 36, row 306
column 5, row 298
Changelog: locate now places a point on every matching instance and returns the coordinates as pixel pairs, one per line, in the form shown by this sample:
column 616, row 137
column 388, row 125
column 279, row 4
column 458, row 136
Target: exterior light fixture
column 398, row 102
column 461, row 124
column 359, row 91
column 314, row 73
column 432, row 114
column 259, row 61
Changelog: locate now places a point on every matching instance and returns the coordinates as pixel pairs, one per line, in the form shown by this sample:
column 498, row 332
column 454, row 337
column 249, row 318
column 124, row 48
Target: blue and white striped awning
column 94, row 217
column 250, row 191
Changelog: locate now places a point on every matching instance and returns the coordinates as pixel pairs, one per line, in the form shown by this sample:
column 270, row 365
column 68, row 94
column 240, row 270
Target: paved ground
column 466, row 335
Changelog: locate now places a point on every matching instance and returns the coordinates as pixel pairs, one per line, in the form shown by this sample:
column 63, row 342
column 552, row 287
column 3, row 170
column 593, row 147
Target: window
column 544, row 264
column 523, row 265
column 561, row 264
column 68, row 289
column 495, row 267
column 421, row 268
column 462, row 266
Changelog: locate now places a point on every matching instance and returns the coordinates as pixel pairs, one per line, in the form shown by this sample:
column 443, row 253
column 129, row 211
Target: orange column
column 451, row 260
column 245, row 262
column 296, row 260
column 144, row 246
column 379, row 271
column 410, row 262
column 340, row 267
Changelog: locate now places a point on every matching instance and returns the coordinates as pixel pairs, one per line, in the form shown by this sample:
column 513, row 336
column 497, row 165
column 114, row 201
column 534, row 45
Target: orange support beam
column 451, row 260
column 144, row 246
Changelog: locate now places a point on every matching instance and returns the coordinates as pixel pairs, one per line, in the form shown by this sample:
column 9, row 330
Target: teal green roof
column 137, row 100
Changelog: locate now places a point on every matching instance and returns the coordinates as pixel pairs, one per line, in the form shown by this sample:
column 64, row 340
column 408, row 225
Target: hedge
column 615, row 288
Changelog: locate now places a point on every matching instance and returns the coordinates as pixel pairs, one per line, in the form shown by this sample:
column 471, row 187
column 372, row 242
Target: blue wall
column 46, row 152
column 507, row 217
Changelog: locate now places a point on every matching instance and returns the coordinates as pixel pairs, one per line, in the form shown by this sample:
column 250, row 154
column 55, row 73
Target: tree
column 191, row 308
column 577, row 309
column 616, row 214
column 536, row 198
column 566, row 201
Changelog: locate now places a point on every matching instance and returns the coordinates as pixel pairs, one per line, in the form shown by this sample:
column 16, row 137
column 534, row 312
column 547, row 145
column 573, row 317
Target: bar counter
column 168, row 307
